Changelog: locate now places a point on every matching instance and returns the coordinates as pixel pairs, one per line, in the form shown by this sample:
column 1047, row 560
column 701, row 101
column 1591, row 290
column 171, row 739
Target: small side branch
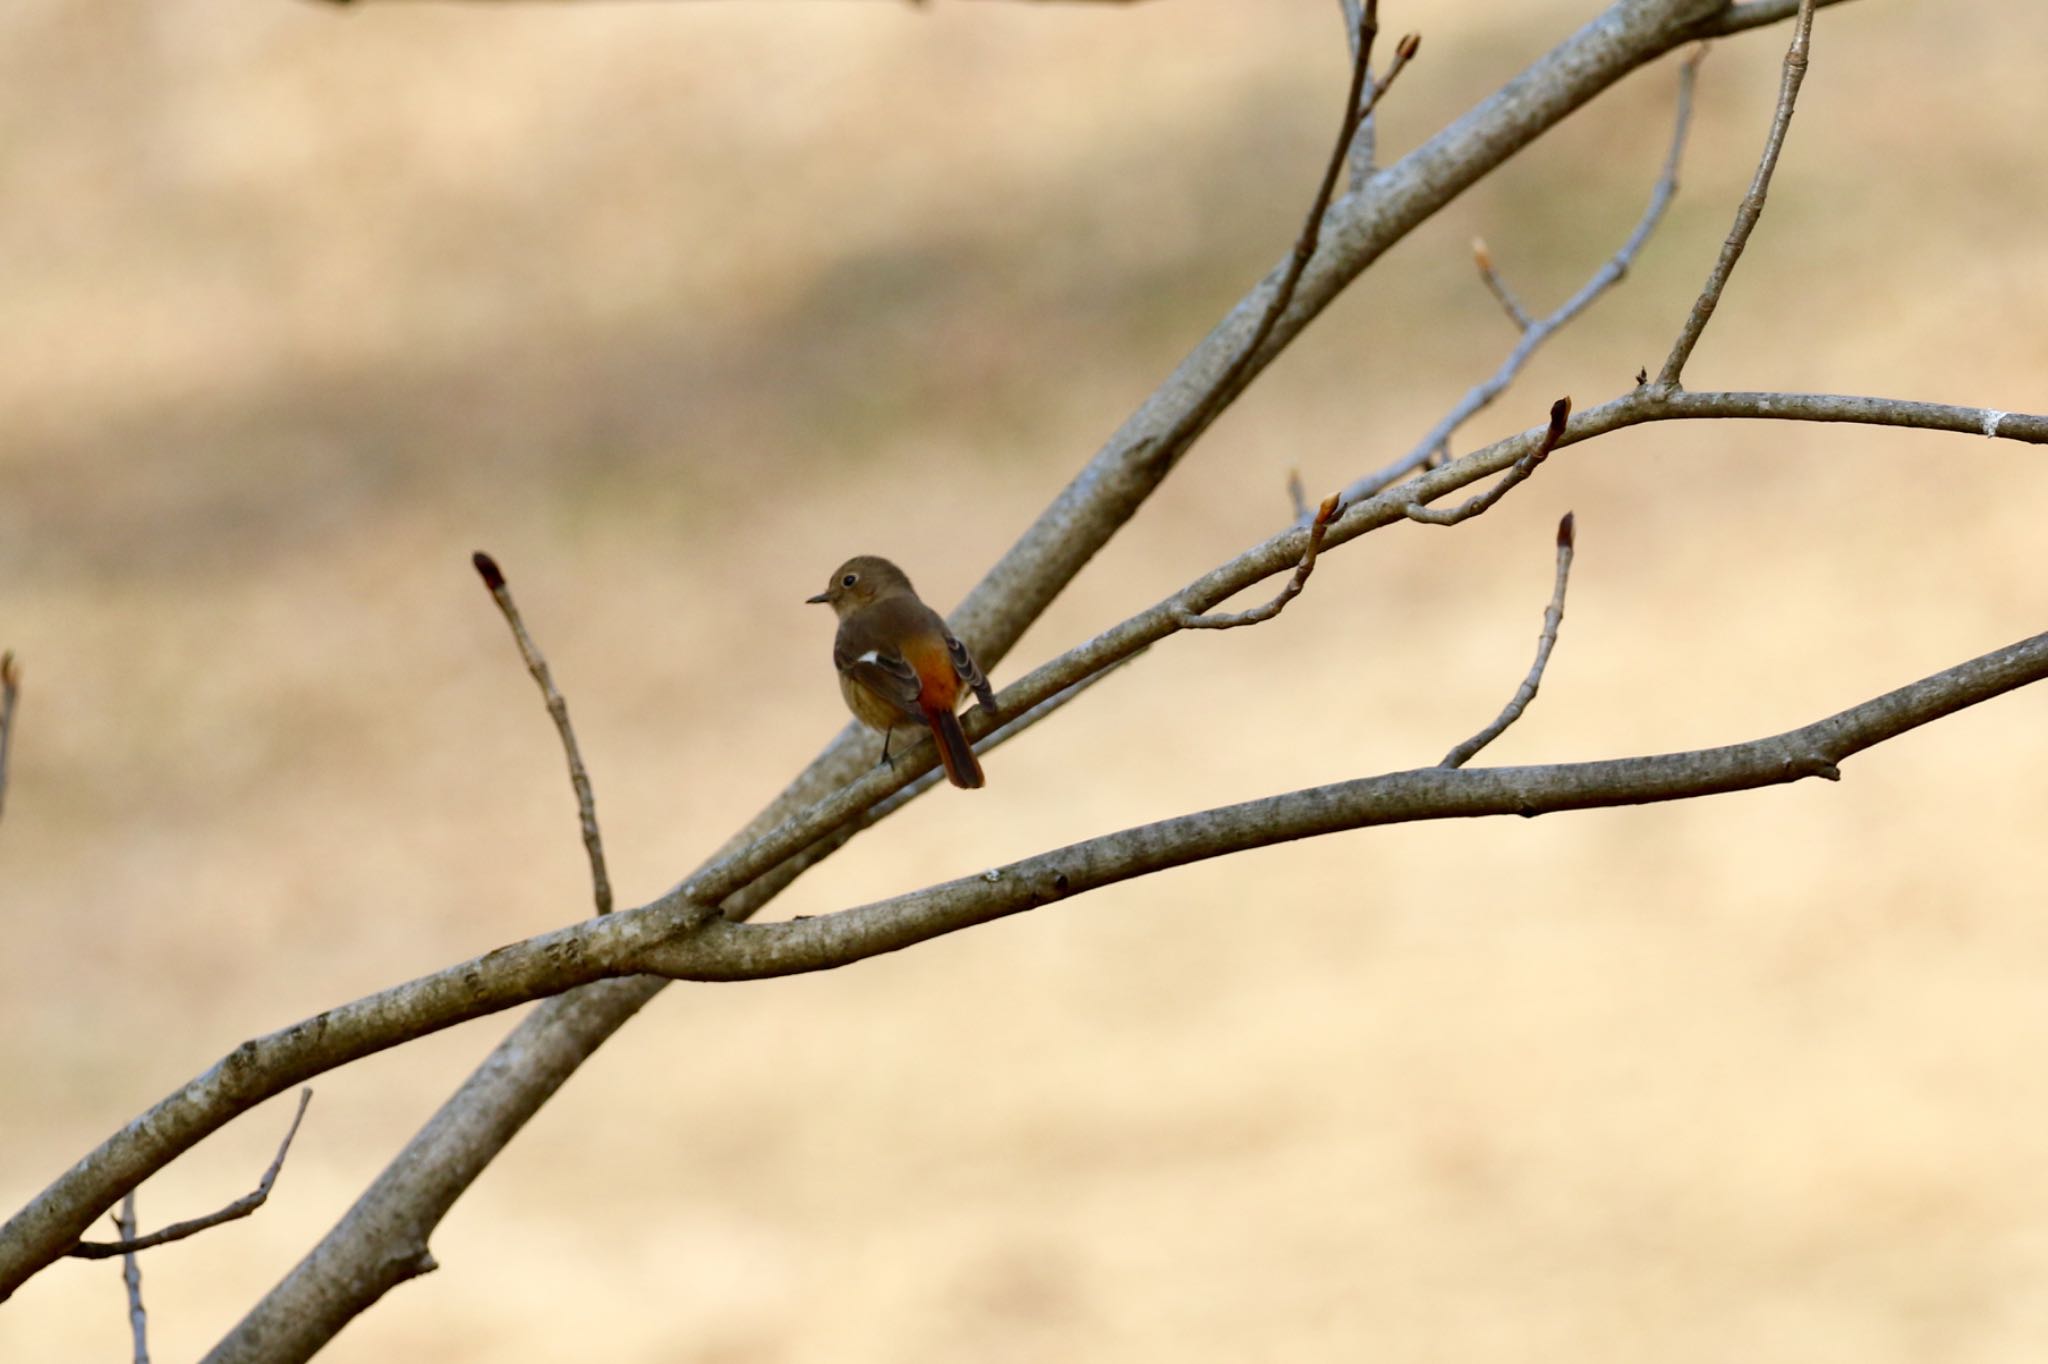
column 1560, row 412
column 10, row 692
column 586, row 804
column 1752, row 206
column 1536, row 331
column 1553, row 617
column 1188, row 620
column 1359, row 101
column 1489, row 275
column 131, row 1276
column 130, row 1243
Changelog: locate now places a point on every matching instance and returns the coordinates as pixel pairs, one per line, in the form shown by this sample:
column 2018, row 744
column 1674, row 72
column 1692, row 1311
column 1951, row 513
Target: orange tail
column 961, row 767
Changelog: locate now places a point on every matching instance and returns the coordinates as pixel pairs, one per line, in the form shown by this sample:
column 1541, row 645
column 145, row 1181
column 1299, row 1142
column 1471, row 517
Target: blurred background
column 674, row 306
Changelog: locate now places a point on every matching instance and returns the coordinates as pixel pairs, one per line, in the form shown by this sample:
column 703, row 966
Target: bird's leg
column 887, row 735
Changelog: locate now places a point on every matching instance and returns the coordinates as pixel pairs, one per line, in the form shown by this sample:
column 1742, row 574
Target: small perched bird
column 898, row 664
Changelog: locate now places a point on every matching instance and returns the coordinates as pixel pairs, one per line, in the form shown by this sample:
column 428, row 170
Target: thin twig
column 131, row 1275
column 1553, row 617
column 1360, row 22
column 1230, row 620
column 1537, row 331
column 586, row 804
column 178, row 1231
column 1752, row 205
column 1364, row 154
column 1361, row 26
column 1297, row 497
column 1498, row 287
column 1357, row 106
column 1404, row 53
column 1560, row 412
column 506, row 1091
column 10, row 692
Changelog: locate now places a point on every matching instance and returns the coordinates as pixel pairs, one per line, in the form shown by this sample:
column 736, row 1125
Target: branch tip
column 486, row 567
column 1410, row 44
column 1567, row 532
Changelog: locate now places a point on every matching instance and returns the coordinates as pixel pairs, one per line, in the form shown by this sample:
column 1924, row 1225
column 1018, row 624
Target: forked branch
column 1317, row 529
column 1435, row 444
column 242, row 1207
column 1560, row 412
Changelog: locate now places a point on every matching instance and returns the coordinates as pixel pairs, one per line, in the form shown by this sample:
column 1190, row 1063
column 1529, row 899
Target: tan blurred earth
column 672, row 307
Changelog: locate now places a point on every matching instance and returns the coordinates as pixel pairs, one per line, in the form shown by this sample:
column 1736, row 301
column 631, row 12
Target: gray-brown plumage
column 898, row 664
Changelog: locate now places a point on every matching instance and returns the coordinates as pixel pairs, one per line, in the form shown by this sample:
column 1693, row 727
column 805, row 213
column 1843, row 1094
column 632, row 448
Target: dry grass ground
column 672, row 307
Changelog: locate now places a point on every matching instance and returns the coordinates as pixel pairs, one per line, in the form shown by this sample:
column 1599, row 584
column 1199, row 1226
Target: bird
column 898, row 664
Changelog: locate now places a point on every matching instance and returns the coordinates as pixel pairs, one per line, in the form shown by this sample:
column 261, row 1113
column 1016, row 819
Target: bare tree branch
column 1358, row 104
column 729, row 951
column 10, row 692
column 1560, row 412
column 599, row 948
column 1553, row 617
column 130, row 1243
column 663, row 938
column 546, row 1047
column 131, row 1276
column 1535, row 332
column 1318, row 528
column 1361, row 26
column 1740, row 18
column 586, row 804
column 1752, row 206
column 1498, row 287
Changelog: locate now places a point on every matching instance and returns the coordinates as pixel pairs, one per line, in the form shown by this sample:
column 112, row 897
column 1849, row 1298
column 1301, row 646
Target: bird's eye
column 849, row 580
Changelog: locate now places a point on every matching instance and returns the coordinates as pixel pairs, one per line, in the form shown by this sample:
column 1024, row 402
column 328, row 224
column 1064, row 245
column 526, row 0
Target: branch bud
column 487, row 569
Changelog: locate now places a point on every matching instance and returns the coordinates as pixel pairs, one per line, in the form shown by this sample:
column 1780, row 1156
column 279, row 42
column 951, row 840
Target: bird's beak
column 818, row 600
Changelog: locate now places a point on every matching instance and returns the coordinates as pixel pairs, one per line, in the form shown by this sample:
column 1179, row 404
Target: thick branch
column 1107, row 492
column 1536, row 331
column 345, row 1273
column 601, row 948
column 729, row 951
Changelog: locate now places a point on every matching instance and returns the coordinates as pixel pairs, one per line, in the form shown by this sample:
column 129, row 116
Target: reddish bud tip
column 1410, row 44
column 9, row 674
column 487, row 569
column 1560, row 413
column 1567, row 532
